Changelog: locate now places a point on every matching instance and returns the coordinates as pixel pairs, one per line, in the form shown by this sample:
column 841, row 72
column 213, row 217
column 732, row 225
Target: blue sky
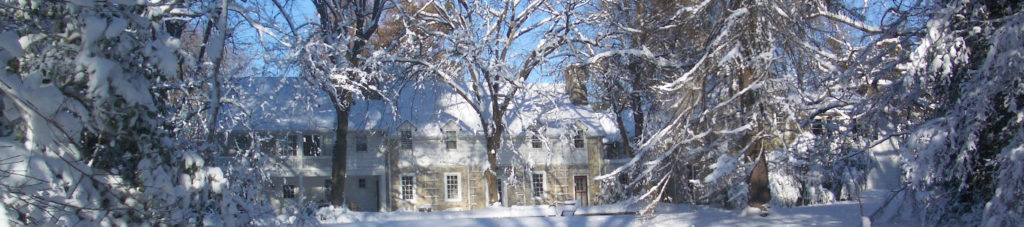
column 303, row 11
column 549, row 72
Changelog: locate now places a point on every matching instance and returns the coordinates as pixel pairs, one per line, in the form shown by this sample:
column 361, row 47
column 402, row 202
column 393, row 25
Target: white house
column 425, row 148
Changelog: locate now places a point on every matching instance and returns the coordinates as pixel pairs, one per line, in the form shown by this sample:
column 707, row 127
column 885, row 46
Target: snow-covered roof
column 426, row 106
column 291, row 104
column 547, row 109
column 275, row 104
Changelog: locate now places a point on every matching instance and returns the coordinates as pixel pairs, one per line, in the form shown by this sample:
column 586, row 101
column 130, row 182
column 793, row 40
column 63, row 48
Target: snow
column 886, row 173
column 9, row 42
column 845, row 213
column 548, row 106
column 13, row 156
column 3, row 217
column 848, row 21
column 276, row 103
column 94, row 28
column 750, row 211
column 725, row 164
column 947, row 90
column 642, row 53
column 345, row 216
column 115, row 28
column 428, row 106
column 732, row 54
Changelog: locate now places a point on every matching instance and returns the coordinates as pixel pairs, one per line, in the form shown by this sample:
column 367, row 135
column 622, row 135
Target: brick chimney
column 576, row 84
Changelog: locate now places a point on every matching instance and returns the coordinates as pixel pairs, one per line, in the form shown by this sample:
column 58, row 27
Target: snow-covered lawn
column 845, row 213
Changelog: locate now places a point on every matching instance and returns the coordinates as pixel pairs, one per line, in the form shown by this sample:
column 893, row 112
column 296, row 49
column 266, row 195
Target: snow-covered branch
column 848, row 21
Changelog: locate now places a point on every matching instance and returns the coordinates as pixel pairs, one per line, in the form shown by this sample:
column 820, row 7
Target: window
column 362, row 182
column 361, row 142
column 580, row 189
column 288, row 145
column 407, row 139
column 450, row 140
column 243, row 142
column 535, row 142
column 451, row 186
column 577, row 140
column 501, row 190
column 269, row 146
column 818, row 127
column 580, row 183
column 311, row 145
column 538, row 184
column 289, row 191
column 407, row 187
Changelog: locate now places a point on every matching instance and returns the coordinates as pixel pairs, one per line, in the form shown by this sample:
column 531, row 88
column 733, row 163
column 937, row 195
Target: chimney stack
column 576, row 84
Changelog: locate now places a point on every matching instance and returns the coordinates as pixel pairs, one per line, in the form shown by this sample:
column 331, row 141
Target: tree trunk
column 339, row 160
column 626, row 143
column 493, row 147
column 759, row 192
column 638, row 91
column 333, row 25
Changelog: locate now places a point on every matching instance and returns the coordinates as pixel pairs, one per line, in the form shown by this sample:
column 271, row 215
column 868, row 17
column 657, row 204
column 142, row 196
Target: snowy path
column 838, row 214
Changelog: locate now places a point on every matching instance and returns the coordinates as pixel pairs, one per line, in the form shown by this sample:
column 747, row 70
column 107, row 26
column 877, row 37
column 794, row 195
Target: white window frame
column 581, row 137
column 412, row 189
column 289, row 143
column 458, row 187
column 453, row 138
column 536, row 142
column 533, row 184
column 267, row 144
column 405, row 139
column 450, row 135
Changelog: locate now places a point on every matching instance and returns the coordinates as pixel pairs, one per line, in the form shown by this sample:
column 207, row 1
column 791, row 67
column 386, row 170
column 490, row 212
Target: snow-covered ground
column 846, row 213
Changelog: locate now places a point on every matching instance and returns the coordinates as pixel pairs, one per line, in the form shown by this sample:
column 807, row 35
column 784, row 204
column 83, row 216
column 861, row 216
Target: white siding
column 369, row 162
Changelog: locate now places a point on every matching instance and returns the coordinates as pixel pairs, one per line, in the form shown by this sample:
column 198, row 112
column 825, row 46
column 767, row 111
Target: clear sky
column 303, row 11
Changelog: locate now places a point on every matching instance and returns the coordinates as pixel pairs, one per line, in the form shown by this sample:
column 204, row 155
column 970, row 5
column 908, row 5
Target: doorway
column 580, row 188
column 363, row 193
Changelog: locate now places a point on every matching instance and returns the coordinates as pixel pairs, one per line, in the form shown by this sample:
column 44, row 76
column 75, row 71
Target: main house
column 424, row 149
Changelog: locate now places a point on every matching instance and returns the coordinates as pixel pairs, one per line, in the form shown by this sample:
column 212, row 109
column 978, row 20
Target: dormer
column 405, row 132
column 579, row 125
column 536, row 132
column 450, row 134
column 579, row 134
column 537, row 127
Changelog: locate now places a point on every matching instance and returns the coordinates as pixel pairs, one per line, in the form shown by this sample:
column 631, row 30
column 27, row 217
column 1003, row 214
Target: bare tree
column 345, row 29
column 491, row 50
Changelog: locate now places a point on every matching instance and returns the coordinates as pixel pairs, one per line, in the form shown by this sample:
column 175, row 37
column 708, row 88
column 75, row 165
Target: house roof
column 547, row 108
column 275, row 104
column 291, row 104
